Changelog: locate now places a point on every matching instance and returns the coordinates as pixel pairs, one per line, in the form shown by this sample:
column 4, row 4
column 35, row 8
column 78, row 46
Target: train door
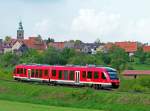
column 104, row 77
column 77, row 76
column 29, row 73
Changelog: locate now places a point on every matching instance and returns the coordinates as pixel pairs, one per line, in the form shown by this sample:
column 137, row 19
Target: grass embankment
column 16, row 106
column 141, row 66
column 74, row 97
column 6, row 73
column 140, row 84
column 79, row 97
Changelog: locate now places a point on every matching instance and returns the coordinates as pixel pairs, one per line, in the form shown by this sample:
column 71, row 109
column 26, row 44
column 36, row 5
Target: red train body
column 98, row 77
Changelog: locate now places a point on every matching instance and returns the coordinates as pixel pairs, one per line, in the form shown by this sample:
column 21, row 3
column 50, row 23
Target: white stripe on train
column 83, row 82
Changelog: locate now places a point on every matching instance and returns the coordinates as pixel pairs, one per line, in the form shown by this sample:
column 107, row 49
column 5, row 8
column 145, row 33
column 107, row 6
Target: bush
column 147, row 61
column 140, row 84
column 145, row 82
column 138, row 88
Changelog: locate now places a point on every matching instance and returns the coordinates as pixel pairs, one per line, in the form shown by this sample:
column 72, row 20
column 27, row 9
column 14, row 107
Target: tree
column 8, row 38
column 50, row 40
column 147, row 61
column 83, row 59
column 97, row 41
column 51, row 56
column 106, row 58
column 119, row 58
column 67, row 53
column 77, row 42
column 141, row 55
column 31, row 56
column 9, row 59
column 71, row 40
column 99, row 58
column 39, row 36
column 79, row 59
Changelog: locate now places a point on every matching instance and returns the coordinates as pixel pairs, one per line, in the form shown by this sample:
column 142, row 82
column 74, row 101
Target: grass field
column 73, row 97
column 137, row 97
column 141, row 66
column 16, row 106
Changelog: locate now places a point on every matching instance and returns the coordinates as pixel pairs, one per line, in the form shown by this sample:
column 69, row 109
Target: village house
column 129, row 47
column 78, row 47
column 100, row 48
column 21, row 45
column 90, row 48
column 106, row 47
column 146, row 48
column 69, row 44
column 35, row 43
column 15, row 46
column 57, row 45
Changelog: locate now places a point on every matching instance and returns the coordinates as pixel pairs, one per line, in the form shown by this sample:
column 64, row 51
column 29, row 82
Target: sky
column 87, row 20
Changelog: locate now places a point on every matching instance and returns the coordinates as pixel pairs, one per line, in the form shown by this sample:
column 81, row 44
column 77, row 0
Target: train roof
column 70, row 65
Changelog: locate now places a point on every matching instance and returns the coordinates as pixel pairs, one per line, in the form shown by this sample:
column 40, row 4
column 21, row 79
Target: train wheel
column 99, row 86
column 95, row 86
column 115, row 86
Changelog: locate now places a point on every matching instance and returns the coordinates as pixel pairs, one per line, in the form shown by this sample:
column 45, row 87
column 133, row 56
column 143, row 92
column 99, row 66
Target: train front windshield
column 113, row 75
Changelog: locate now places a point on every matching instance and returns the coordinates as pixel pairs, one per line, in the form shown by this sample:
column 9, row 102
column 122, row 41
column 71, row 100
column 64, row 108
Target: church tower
column 20, row 31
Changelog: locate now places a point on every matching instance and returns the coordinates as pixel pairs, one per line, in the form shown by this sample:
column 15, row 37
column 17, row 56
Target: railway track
column 103, row 90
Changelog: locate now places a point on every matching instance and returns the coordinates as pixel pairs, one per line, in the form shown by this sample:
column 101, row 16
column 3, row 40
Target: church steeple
column 20, row 31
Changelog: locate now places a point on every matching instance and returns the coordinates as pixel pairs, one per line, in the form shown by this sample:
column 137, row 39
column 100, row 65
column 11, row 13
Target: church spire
column 20, row 26
column 20, row 31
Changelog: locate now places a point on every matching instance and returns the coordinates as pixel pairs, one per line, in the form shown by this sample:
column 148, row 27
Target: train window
column 60, row 75
column 103, row 76
column 71, row 77
column 17, row 70
column 32, row 73
column 24, row 71
column 21, row 71
column 84, row 74
column 65, row 75
column 36, row 73
column 46, row 72
column 96, row 76
column 40, row 73
column 53, row 72
column 89, row 75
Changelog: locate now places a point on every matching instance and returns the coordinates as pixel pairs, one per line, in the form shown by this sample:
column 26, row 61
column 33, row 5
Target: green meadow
column 132, row 95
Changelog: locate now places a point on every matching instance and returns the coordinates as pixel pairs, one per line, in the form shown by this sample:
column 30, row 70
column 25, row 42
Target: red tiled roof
column 146, row 48
column 108, row 45
column 136, row 72
column 32, row 42
column 127, row 46
column 59, row 45
column 35, row 43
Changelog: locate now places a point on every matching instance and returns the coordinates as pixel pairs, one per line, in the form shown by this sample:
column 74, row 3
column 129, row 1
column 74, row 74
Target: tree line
column 116, row 58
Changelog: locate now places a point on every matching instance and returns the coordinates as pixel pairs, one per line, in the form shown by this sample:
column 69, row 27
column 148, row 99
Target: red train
column 97, row 77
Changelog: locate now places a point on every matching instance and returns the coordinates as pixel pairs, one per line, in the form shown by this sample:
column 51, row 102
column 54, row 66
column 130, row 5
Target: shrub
column 138, row 88
column 145, row 82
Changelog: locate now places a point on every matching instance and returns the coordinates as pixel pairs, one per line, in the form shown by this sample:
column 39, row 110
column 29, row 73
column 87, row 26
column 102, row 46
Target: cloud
column 90, row 24
column 40, row 1
column 137, row 30
column 42, row 27
column 143, row 29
